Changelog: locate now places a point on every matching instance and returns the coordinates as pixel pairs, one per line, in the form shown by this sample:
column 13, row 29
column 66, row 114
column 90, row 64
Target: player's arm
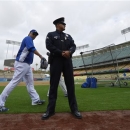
column 38, row 54
column 33, row 49
column 30, row 46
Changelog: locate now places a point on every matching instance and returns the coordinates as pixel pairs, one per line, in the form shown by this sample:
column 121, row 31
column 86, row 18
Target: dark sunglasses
column 62, row 23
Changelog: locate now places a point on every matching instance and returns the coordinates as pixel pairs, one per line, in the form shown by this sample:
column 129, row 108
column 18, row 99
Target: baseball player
column 23, row 69
column 63, row 87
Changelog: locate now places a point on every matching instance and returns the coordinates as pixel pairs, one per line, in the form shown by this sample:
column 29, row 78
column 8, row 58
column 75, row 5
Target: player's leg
column 48, row 92
column 63, row 86
column 20, row 70
column 28, row 78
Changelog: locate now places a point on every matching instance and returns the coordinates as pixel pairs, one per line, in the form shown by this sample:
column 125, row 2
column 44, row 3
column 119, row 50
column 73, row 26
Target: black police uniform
column 56, row 42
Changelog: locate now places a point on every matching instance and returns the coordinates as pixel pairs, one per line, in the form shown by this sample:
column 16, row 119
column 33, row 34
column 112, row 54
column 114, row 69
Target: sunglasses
column 62, row 23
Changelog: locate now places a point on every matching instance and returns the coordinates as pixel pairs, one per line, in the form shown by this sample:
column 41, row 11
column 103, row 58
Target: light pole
column 124, row 31
column 36, row 66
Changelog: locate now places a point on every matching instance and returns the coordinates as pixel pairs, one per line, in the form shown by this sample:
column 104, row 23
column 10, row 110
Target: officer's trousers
column 58, row 65
column 62, row 85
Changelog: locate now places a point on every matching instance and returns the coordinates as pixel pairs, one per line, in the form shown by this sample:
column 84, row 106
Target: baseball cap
column 34, row 31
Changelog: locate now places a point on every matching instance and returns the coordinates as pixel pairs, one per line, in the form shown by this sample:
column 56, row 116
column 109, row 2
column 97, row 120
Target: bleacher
column 2, row 75
column 9, row 75
column 104, row 61
column 121, row 53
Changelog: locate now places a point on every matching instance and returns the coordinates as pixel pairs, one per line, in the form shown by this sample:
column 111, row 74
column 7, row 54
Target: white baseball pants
column 22, row 70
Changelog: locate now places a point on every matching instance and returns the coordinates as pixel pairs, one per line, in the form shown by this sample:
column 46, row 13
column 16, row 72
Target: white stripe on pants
column 22, row 70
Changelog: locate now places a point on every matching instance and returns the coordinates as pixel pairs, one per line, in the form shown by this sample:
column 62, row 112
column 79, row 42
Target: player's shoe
column 66, row 95
column 39, row 102
column 3, row 109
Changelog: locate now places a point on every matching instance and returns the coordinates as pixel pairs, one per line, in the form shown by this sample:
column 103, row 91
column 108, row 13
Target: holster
column 50, row 59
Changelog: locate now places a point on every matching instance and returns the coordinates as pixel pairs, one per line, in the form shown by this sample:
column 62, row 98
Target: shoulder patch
column 66, row 35
column 47, row 37
column 56, row 37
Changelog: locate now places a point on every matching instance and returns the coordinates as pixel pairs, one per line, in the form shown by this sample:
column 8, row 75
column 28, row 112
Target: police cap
column 59, row 20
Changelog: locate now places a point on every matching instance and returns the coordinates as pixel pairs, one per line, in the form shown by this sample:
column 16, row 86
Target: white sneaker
column 39, row 102
column 3, row 109
column 66, row 95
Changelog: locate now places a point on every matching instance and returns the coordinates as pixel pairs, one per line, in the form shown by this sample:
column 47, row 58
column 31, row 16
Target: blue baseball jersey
column 26, row 51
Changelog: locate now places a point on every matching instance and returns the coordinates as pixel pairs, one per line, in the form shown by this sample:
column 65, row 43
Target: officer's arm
column 50, row 46
column 72, row 46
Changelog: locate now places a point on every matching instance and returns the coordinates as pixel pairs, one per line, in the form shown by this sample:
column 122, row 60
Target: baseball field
column 101, row 107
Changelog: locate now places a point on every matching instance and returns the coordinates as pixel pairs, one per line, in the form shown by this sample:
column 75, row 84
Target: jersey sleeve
column 29, row 44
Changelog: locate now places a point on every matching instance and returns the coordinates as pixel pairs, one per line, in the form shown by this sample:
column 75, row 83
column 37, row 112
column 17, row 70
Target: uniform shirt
column 26, row 51
column 57, row 41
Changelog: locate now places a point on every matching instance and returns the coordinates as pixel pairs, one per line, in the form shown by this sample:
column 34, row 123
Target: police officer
column 61, row 47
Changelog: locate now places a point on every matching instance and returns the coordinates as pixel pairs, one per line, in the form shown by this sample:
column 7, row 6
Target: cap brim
column 62, row 23
column 36, row 33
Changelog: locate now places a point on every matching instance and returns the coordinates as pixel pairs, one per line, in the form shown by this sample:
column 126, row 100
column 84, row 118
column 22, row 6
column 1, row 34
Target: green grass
column 88, row 99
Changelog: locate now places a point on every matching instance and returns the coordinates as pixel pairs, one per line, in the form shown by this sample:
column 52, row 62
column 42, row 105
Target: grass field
column 89, row 99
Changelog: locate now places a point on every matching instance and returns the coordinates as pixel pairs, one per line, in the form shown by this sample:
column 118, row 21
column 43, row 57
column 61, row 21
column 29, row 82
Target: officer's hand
column 66, row 54
column 63, row 54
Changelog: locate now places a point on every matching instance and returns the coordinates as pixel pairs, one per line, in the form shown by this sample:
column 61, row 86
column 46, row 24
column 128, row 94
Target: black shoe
column 47, row 114
column 77, row 114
